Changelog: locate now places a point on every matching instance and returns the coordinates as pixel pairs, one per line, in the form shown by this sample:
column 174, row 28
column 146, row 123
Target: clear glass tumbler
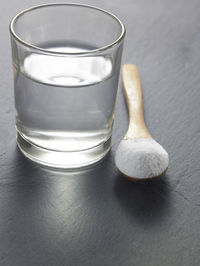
column 66, row 60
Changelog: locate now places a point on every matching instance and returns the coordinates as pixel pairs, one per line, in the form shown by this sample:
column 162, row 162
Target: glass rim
column 101, row 49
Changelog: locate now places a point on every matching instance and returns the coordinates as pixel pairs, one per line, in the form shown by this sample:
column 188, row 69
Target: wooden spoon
column 138, row 156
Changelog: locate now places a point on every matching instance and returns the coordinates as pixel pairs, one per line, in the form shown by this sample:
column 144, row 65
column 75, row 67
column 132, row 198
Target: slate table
column 96, row 217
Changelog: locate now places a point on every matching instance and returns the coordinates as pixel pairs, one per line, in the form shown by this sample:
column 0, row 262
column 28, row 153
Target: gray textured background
column 97, row 217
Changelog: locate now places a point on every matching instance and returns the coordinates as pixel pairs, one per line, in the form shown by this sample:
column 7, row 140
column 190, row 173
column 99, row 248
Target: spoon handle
column 133, row 93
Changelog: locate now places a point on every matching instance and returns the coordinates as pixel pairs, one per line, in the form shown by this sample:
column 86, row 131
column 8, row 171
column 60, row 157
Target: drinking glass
column 66, row 61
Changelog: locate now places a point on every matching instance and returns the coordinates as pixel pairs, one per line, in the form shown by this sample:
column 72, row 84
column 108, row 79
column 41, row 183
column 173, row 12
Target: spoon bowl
column 141, row 158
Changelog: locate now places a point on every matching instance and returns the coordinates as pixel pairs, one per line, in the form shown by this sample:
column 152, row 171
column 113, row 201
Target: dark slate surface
column 96, row 217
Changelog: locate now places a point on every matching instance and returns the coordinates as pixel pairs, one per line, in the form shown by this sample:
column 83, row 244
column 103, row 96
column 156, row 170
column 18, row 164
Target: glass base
column 63, row 160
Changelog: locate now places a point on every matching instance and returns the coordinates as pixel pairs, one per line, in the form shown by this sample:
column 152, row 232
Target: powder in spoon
column 141, row 158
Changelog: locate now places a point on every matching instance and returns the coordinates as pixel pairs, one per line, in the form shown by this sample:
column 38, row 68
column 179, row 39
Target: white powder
column 141, row 158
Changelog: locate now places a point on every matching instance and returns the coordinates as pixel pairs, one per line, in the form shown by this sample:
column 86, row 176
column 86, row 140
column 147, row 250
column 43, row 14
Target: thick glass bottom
column 62, row 160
